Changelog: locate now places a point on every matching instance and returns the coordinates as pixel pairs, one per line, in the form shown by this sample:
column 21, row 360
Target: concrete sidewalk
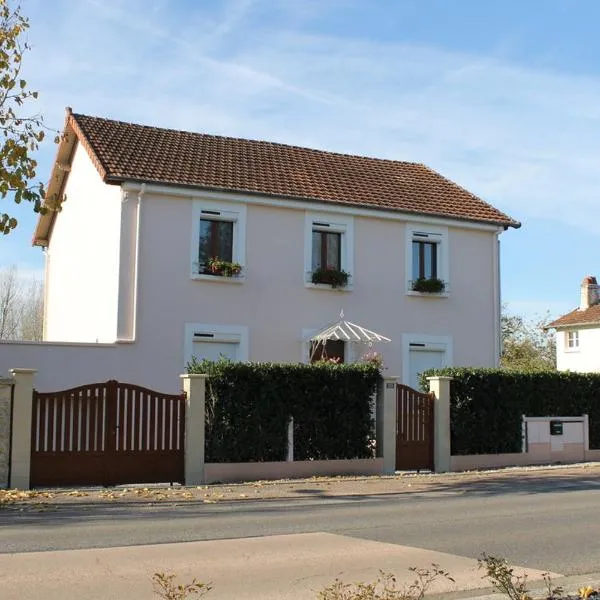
column 495, row 481
column 293, row 567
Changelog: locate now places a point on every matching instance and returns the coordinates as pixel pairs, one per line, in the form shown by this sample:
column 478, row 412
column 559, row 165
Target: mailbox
column 556, row 427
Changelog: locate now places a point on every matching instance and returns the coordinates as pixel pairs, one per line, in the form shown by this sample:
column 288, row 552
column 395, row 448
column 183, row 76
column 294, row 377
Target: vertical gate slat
column 85, row 412
column 181, row 406
column 68, row 423
column 152, row 443
column 122, row 431
column 42, row 424
column 94, row 436
column 60, row 428
column 51, row 412
column 144, row 421
column 130, row 421
column 35, row 426
column 160, row 425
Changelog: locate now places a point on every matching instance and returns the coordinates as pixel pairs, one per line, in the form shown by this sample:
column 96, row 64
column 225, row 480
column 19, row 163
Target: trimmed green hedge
column 249, row 406
column 486, row 405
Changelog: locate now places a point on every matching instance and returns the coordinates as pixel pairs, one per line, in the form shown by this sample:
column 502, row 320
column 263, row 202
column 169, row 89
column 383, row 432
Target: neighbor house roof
column 588, row 316
column 137, row 153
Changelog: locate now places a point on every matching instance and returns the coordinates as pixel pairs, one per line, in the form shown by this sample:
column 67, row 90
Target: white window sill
column 324, row 286
column 217, row 278
column 572, row 350
column 428, row 294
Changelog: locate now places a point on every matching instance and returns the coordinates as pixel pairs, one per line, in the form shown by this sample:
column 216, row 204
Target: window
column 328, row 244
column 218, row 232
column 326, row 250
column 216, row 241
column 572, row 340
column 427, row 260
column 211, row 342
column 424, row 258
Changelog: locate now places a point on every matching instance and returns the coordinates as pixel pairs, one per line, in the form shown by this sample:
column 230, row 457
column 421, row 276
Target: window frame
column 415, row 232
column 219, row 211
column 234, row 334
column 329, row 223
column 572, row 336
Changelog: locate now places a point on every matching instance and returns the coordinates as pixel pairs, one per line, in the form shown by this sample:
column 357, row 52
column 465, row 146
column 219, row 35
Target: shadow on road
column 325, row 497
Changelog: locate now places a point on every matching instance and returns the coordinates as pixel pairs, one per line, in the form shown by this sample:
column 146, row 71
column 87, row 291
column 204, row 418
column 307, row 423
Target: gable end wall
column 82, row 262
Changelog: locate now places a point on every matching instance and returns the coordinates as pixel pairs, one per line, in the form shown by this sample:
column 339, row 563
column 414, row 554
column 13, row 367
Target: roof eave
column 122, row 180
column 56, row 185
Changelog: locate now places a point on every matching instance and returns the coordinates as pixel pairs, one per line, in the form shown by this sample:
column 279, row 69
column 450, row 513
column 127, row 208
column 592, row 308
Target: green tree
column 527, row 345
column 21, row 133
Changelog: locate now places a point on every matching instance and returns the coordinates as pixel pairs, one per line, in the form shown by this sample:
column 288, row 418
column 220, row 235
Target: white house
column 131, row 294
column 578, row 332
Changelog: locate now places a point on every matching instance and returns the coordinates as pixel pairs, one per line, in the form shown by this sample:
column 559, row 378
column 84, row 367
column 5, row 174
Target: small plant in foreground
column 166, row 587
column 503, row 577
column 552, row 592
column 385, row 587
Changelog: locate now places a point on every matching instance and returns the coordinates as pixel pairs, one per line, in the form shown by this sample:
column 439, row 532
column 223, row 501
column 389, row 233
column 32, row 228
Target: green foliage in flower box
column 428, row 286
column 330, row 276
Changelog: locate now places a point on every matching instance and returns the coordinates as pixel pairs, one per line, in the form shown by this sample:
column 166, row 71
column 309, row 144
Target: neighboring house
column 129, row 256
column 578, row 332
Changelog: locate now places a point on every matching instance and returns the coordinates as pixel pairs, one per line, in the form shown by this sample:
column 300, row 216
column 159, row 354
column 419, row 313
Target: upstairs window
column 424, row 259
column 427, row 259
column 216, row 241
column 572, row 340
column 326, row 249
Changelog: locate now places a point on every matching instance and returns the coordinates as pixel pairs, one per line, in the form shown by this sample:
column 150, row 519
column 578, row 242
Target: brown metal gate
column 414, row 429
column 107, row 434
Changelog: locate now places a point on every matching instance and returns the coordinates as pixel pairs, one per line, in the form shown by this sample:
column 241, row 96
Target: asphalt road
column 550, row 527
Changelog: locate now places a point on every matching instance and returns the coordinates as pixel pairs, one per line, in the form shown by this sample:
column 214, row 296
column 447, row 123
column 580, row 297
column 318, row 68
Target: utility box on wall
column 556, row 439
column 556, row 428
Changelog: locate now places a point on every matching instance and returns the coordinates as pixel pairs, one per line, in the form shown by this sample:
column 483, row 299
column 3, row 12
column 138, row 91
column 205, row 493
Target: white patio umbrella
column 347, row 332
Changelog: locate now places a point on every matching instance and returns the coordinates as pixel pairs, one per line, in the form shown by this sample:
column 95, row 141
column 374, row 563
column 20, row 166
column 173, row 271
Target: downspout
column 138, row 214
column 497, row 298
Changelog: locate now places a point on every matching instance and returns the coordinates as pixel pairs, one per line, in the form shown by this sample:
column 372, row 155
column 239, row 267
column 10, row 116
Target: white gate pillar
column 386, row 424
column 194, row 387
column 440, row 386
column 20, row 464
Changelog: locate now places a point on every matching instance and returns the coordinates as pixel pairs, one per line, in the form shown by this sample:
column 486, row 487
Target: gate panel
column 107, row 434
column 414, row 429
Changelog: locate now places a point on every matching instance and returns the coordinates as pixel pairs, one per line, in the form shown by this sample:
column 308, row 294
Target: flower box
column 330, row 276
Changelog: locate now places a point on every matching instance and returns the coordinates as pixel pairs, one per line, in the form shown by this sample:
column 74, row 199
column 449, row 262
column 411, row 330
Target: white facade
column 122, row 271
column 582, row 353
column 82, row 259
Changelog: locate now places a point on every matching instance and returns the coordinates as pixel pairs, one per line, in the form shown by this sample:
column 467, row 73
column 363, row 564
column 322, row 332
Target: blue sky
column 500, row 96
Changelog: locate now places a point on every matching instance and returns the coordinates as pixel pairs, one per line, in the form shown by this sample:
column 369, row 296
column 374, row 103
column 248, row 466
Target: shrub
column 487, row 405
column 249, row 406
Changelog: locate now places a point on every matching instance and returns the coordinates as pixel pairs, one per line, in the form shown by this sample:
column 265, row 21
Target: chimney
column 589, row 292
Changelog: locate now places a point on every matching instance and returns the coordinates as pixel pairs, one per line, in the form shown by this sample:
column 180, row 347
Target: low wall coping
column 6, row 381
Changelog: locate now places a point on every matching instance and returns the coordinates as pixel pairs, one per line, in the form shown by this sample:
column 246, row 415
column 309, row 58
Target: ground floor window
column 334, row 350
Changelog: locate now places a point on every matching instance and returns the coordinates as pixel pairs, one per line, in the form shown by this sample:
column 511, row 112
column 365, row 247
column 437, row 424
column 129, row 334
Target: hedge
column 486, row 405
column 249, row 406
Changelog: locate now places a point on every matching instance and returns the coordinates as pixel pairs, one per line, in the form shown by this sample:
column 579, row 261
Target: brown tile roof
column 126, row 152
column 589, row 316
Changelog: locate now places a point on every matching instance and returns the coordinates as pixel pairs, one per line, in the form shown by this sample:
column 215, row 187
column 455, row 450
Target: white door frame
column 427, row 343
